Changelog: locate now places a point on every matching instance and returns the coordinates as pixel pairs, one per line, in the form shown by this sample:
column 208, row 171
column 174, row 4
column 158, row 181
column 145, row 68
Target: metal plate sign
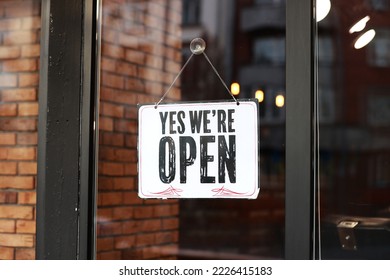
column 198, row 150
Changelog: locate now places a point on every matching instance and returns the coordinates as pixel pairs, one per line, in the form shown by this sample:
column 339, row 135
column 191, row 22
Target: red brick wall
column 140, row 57
column 19, row 61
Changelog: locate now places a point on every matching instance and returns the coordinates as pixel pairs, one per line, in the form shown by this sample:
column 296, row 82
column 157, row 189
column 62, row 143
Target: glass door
column 354, row 129
column 144, row 46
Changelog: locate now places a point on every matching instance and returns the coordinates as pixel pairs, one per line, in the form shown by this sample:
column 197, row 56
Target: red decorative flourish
column 171, row 191
column 226, row 192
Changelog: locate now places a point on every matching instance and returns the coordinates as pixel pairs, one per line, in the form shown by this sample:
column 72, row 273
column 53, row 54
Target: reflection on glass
column 279, row 101
column 364, row 39
column 354, row 132
column 144, row 45
column 322, row 8
column 235, row 88
column 360, row 25
column 259, row 95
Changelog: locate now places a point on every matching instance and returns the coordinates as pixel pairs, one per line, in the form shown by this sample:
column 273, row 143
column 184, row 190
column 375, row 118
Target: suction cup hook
column 197, row 46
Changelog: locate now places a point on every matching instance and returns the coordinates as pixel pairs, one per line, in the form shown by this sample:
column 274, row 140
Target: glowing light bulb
column 322, row 9
column 279, row 101
column 235, row 88
column 259, row 95
column 359, row 26
column 364, row 39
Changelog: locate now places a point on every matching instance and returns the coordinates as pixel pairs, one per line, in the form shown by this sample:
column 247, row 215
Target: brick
column 145, row 239
column 28, row 79
column 20, row 182
column 104, row 215
column 9, row 52
column 16, row 240
column 31, row 23
column 131, row 141
column 129, row 126
column 124, row 183
column 20, row 65
column 8, row 110
column 165, row 237
column 111, row 139
column 118, row 96
column 7, row 226
column 27, row 153
column 27, row 198
column 27, row 138
column 162, row 210
column 112, row 255
column 128, row 41
column 131, row 169
column 130, row 227
column 25, row 226
column 7, row 139
column 106, row 124
column 113, row 51
column 108, row 64
column 110, row 36
column 105, row 183
column 117, row 154
column 131, row 113
column 143, row 212
column 112, row 110
column 24, row 254
column 135, row 57
column 7, row 197
column 131, row 198
column 113, row 81
column 16, row 212
column 27, row 9
column 150, row 225
column 135, row 85
column 25, row 94
column 105, row 244
column 27, row 168
column 7, row 80
column 122, row 213
column 110, row 168
column 20, row 37
column 170, row 223
column 18, row 124
column 111, row 198
column 31, row 51
column 28, row 109
column 6, row 253
column 126, row 68
column 108, row 229
column 123, row 242
column 10, row 24
column 7, row 168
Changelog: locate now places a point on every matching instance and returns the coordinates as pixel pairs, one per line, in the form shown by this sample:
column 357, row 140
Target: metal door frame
column 68, row 114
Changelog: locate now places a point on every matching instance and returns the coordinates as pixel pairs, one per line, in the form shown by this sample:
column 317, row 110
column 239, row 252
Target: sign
column 198, row 150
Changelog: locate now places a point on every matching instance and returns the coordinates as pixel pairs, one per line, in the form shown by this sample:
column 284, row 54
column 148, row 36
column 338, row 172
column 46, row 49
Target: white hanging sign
column 199, row 150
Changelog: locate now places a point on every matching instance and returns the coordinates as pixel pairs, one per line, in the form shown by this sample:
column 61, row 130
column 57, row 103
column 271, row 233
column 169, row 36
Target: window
column 269, row 50
column 380, row 49
column 191, row 12
column 325, row 50
column 269, row 2
column 380, row 5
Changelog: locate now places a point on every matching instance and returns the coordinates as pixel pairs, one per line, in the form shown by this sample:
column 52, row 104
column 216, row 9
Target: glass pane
column 20, row 24
column 144, row 46
column 354, row 121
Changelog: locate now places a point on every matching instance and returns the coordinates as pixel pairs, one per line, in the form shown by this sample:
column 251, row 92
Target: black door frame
column 68, row 115
column 66, row 131
column 300, row 219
